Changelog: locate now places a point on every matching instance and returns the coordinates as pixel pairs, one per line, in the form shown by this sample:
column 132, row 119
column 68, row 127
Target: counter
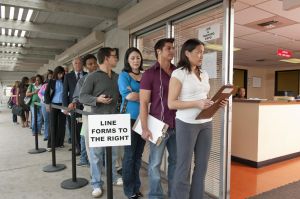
column 265, row 132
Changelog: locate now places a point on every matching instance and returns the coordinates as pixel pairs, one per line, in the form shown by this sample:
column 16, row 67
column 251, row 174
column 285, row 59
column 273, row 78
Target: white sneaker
column 118, row 182
column 97, row 192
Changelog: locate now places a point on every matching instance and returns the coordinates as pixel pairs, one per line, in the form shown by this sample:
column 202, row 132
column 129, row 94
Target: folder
column 223, row 93
column 157, row 127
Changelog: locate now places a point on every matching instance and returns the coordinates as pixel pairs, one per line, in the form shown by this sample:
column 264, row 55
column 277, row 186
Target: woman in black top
column 21, row 92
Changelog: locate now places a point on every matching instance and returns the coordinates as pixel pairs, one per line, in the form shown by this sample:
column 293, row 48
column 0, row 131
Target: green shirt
column 34, row 97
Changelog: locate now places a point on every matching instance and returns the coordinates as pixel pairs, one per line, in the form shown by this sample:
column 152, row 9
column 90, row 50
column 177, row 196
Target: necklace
column 136, row 73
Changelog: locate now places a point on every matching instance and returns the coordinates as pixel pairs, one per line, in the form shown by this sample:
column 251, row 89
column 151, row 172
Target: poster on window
column 209, row 64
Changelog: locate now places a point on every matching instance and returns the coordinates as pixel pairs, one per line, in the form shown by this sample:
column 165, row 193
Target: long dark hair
column 189, row 45
column 127, row 66
column 24, row 82
column 58, row 69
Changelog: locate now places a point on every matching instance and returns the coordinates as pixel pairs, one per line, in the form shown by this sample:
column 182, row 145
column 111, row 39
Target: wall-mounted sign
column 284, row 53
column 208, row 33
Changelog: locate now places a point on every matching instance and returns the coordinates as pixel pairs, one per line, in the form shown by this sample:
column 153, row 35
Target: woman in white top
column 190, row 86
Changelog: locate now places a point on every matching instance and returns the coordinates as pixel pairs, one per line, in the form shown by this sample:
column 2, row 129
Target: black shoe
column 139, row 194
column 45, row 139
column 133, row 197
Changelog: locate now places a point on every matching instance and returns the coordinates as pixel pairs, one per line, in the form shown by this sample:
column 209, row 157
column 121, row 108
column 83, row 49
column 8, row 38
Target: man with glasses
column 100, row 91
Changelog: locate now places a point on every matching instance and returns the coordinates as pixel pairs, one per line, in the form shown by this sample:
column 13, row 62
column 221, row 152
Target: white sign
column 209, row 33
column 209, row 64
column 109, row 130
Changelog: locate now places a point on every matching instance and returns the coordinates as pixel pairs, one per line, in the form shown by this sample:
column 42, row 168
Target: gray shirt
column 96, row 84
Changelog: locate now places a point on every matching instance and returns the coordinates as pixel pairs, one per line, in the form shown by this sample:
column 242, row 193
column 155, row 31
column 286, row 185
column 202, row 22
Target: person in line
column 129, row 87
column 53, row 95
column 70, row 81
column 21, row 93
column 190, row 86
column 100, row 91
column 14, row 98
column 90, row 62
column 41, row 95
column 241, row 93
column 154, row 91
column 32, row 92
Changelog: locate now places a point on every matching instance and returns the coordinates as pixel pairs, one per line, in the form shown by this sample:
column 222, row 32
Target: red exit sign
column 284, row 53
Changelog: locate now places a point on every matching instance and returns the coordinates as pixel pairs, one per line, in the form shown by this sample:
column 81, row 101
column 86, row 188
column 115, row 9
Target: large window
column 287, row 83
column 145, row 43
column 182, row 27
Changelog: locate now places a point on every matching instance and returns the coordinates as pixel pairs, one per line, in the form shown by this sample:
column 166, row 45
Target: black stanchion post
column 36, row 149
column 53, row 167
column 74, row 182
column 109, row 172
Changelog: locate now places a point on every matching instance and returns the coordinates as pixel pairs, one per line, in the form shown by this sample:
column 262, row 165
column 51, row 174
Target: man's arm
column 65, row 97
column 145, row 96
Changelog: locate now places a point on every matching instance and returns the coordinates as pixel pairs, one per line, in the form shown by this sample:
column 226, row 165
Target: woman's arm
column 125, row 89
column 173, row 102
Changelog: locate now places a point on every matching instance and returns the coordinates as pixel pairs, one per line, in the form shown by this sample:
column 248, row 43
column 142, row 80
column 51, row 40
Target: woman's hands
column 204, row 104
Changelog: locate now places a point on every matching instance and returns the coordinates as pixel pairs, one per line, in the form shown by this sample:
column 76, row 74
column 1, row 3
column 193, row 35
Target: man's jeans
column 46, row 120
column 83, row 155
column 96, row 164
column 39, row 119
column 155, row 158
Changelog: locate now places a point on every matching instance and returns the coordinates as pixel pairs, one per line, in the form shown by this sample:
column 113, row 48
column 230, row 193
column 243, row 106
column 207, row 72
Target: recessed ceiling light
column 16, row 32
column 8, row 44
column 29, row 14
column 19, row 45
column 9, row 32
column 23, row 33
column 3, row 31
column 3, row 12
column 12, row 13
column 20, row 14
column 217, row 47
column 292, row 61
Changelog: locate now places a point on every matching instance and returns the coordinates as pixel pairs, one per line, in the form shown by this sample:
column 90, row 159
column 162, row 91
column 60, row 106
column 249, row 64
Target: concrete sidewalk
column 21, row 175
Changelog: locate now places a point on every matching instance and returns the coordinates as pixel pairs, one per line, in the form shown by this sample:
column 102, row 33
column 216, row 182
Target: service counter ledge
column 265, row 132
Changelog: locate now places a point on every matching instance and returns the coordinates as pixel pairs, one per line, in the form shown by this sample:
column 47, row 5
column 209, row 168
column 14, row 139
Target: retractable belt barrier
column 36, row 150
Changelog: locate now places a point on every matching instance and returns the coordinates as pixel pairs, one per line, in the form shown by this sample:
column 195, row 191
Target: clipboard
column 156, row 126
column 223, row 93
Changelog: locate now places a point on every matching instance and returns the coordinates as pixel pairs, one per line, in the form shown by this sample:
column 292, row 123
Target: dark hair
column 161, row 43
column 102, row 53
column 88, row 56
column 57, row 70
column 23, row 82
column 127, row 66
column 41, row 78
column 189, row 45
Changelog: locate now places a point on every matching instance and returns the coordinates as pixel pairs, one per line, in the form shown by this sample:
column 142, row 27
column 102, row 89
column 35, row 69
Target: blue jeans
column 83, row 155
column 46, row 120
column 39, row 120
column 155, row 158
column 96, row 164
column 131, row 165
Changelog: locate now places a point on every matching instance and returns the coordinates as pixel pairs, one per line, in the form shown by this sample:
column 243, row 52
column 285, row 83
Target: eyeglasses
column 115, row 56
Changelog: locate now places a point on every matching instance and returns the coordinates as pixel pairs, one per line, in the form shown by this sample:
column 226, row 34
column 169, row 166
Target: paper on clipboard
column 156, row 126
column 223, row 93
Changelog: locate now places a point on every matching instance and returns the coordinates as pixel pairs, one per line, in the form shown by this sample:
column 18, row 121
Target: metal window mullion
column 227, row 77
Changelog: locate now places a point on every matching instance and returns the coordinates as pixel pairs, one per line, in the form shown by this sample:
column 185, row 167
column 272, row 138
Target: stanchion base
column 35, row 151
column 70, row 184
column 51, row 168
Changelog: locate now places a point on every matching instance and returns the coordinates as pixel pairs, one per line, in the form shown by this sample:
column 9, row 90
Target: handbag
column 27, row 100
column 17, row 110
column 10, row 103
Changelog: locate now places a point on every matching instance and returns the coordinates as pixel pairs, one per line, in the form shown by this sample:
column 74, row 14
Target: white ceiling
column 262, row 45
